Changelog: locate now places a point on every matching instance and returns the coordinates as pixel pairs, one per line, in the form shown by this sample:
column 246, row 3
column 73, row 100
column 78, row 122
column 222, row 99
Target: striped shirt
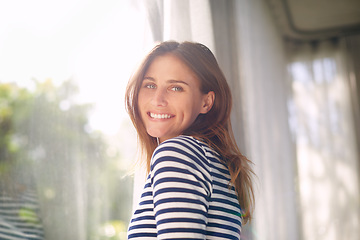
column 186, row 195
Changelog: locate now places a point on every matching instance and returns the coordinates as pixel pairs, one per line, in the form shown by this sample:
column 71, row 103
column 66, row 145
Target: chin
column 155, row 134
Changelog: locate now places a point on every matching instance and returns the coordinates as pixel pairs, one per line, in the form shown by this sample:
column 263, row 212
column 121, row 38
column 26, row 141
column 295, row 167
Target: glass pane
column 66, row 142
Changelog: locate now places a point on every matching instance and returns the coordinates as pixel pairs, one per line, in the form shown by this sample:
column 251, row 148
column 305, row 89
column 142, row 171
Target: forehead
column 170, row 67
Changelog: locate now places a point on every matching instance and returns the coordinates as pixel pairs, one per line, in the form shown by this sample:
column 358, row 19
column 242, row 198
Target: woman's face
column 170, row 99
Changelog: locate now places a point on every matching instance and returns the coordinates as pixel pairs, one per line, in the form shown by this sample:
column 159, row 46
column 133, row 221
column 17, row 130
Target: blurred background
column 68, row 148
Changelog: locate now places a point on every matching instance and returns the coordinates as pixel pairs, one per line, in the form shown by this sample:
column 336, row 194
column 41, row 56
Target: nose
column 159, row 98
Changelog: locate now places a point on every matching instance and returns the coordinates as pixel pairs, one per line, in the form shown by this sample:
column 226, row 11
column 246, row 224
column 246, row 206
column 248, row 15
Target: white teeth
column 159, row 116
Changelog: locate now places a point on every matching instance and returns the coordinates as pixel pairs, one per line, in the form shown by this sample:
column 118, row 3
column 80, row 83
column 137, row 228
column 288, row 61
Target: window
column 67, row 143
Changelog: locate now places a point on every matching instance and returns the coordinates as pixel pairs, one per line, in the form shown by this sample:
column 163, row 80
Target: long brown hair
column 213, row 127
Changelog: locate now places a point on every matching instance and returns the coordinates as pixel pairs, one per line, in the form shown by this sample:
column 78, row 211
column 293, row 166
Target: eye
column 149, row 85
column 176, row 89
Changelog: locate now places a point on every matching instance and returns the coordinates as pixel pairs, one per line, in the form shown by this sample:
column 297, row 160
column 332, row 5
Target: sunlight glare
column 90, row 42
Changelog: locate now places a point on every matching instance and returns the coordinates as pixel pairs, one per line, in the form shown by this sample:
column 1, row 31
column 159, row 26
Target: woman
column 199, row 184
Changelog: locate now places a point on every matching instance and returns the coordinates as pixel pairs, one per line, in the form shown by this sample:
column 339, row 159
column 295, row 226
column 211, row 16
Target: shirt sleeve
column 181, row 186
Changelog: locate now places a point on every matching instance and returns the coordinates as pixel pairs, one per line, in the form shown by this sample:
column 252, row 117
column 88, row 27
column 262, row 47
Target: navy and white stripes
column 186, row 195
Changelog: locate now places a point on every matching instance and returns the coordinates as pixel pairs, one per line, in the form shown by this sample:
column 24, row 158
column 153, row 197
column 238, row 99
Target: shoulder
column 182, row 150
column 181, row 159
column 181, row 146
column 185, row 143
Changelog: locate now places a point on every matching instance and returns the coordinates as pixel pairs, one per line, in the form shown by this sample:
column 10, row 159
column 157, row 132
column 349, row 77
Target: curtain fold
column 264, row 93
column 352, row 44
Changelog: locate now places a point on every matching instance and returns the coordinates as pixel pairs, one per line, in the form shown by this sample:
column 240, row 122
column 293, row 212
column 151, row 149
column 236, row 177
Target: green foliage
column 11, row 97
column 29, row 215
column 46, row 143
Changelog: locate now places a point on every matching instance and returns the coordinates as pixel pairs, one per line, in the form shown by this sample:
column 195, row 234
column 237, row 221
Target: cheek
column 140, row 106
column 141, row 99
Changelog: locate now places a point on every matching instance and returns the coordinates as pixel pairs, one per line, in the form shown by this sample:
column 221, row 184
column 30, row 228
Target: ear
column 208, row 101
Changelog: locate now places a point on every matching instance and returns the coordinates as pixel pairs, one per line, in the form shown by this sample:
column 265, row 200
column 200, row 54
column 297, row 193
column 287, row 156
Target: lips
column 160, row 115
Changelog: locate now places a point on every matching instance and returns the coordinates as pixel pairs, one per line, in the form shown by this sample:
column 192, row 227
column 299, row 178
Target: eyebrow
column 168, row 81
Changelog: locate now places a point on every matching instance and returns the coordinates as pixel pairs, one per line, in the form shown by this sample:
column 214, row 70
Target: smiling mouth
column 159, row 116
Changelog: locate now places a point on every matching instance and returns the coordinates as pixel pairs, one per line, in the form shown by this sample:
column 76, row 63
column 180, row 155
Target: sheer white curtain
column 263, row 91
column 352, row 44
column 324, row 128
column 180, row 20
column 307, row 165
